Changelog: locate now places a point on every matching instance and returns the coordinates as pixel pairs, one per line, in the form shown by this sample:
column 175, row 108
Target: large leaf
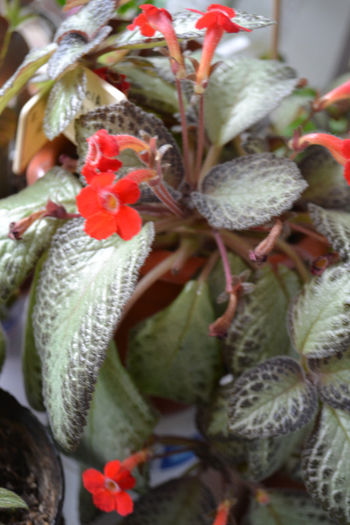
column 241, row 92
column 333, row 375
column 184, row 26
column 319, row 317
column 83, row 287
column 335, row 226
column 287, row 508
column 10, row 500
column 326, row 463
column 126, row 118
column 119, row 420
column 18, row 257
column 2, row 347
column 248, row 191
column 272, row 399
column 171, row 355
column 64, row 102
column 259, row 329
column 184, row 501
column 35, row 59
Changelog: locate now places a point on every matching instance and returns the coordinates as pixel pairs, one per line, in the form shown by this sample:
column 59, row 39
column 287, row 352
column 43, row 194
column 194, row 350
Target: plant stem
column 170, row 223
column 208, row 267
column 210, row 161
column 299, row 264
column 238, row 245
column 200, row 140
column 309, row 233
column 276, row 28
column 225, row 261
column 185, row 144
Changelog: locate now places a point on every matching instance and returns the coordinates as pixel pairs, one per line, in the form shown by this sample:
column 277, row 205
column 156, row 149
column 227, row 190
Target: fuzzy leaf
column 259, row 329
column 241, row 92
column 248, row 191
column 119, row 420
column 2, row 347
column 335, row 226
column 287, row 508
column 185, row 500
column 185, row 366
column 184, row 26
column 272, row 399
column 71, row 48
column 64, row 102
column 35, row 59
column 334, row 379
column 325, row 177
column 10, row 500
column 326, row 465
column 320, row 327
column 127, row 118
column 18, row 257
column 83, row 287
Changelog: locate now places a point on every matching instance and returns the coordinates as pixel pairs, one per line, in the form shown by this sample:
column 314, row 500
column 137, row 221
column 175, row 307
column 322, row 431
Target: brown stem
column 299, row 264
column 276, row 28
column 210, row 161
column 185, row 144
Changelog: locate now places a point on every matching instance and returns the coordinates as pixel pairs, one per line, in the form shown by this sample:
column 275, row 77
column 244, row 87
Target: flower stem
column 225, row 261
column 309, row 233
column 276, row 28
column 299, row 264
column 200, row 139
column 238, row 245
column 210, row 161
column 185, row 143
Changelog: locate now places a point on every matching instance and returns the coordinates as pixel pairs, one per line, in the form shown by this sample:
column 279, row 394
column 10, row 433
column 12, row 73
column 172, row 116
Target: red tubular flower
column 154, row 19
column 223, row 513
column 217, row 20
column 135, row 459
column 103, row 204
column 339, row 148
column 337, row 94
column 102, row 150
column 109, row 489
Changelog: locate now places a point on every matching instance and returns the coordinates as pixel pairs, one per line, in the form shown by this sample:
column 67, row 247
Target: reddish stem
column 200, row 138
column 185, row 143
column 225, row 261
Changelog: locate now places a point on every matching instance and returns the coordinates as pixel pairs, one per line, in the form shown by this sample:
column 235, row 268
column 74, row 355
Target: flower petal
column 124, row 503
column 103, row 180
column 93, row 480
column 125, row 480
column 128, row 222
column 106, row 164
column 88, row 202
column 104, row 500
column 89, row 172
column 112, row 469
column 100, row 225
column 127, row 190
column 347, row 172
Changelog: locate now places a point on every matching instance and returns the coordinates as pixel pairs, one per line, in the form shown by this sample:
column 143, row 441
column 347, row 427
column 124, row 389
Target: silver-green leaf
column 10, row 500
column 83, row 287
column 272, row 399
column 319, row 317
column 248, row 191
column 335, row 226
column 241, row 92
column 18, row 257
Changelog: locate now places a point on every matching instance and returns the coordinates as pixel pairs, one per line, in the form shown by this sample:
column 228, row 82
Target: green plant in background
column 200, row 172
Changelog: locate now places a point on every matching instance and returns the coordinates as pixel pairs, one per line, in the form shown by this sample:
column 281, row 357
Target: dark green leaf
column 64, row 102
column 326, row 463
column 171, row 355
column 10, row 500
column 248, row 191
column 259, row 329
column 272, row 399
column 18, row 257
column 335, row 226
column 83, row 287
column 241, row 92
column 319, row 317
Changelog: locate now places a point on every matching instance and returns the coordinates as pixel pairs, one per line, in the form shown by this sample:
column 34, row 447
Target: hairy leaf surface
column 272, row 399
column 335, row 226
column 83, row 287
column 248, row 191
column 10, row 500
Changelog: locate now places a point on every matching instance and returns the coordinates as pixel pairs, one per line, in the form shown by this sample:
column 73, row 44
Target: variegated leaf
column 83, row 287
column 319, row 317
column 335, row 226
column 248, row 191
column 272, row 399
column 11, row 500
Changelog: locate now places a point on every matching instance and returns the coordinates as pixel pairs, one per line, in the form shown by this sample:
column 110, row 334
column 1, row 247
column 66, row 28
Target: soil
column 17, row 475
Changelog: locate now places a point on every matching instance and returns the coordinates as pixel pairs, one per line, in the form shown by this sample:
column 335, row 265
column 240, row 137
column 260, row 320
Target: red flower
column 337, row 94
column 216, row 20
column 223, row 513
column 109, row 489
column 117, row 80
column 102, row 203
column 102, row 150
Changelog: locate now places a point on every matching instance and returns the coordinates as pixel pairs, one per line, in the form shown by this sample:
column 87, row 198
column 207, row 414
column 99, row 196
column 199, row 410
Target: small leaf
column 18, row 257
column 325, row 177
column 127, row 118
column 287, row 508
column 171, row 355
column 184, row 501
column 2, row 347
column 259, row 329
column 248, row 191
column 325, row 463
column 119, row 420
column 319, row 318
column 35, row 59
column 241, row 92
column 64, row 102
column 335, row 226
column 272, row 399
column 83, row 287
column 71, row 48
column 333, row 375
column 10, row 500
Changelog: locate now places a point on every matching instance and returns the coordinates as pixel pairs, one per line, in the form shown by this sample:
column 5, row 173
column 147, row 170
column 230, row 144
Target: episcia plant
column 222, row 184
